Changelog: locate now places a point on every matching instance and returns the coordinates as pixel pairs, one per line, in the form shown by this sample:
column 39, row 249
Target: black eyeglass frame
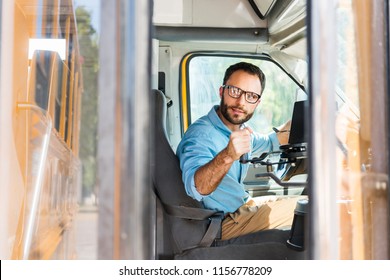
column 241, row 92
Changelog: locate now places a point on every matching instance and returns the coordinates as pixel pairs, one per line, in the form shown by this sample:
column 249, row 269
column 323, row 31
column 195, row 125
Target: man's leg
column 251, row 217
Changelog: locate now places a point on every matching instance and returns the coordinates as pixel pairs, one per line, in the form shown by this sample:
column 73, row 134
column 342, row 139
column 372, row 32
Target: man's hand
column 239, row 143
column 208, row 177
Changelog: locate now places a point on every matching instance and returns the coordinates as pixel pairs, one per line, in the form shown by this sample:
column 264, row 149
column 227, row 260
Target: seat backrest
column 169, row 187
column 168, row 178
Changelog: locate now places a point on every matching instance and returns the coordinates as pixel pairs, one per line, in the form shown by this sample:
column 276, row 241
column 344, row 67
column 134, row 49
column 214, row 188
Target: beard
column 233, row 118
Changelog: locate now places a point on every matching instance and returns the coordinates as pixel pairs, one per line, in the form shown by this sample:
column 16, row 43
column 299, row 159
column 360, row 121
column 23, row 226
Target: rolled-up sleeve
column 265, row 143
column 194, row 152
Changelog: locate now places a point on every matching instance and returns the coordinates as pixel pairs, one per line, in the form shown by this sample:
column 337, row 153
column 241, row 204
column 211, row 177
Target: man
column 210, row 150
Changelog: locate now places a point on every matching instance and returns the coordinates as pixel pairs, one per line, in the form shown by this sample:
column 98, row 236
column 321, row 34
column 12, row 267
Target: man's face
column 237, row 111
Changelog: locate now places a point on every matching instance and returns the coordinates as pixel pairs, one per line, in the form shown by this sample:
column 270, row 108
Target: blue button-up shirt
column 203, row 140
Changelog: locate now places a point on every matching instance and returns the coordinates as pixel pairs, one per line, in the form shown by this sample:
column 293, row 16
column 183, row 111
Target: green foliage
column 88, row 42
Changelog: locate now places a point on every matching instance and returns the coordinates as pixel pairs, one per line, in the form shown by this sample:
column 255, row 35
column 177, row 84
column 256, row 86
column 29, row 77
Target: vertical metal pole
column 6, row 132
column 3, row 186
column 387, row 23
column 106, row 127
column 387, row 93
column 378, row 131
column 136, row 98
column 322, row 54
column 124, row 130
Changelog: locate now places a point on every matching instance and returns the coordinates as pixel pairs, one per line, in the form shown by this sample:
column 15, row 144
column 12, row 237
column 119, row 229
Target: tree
column 88, row 43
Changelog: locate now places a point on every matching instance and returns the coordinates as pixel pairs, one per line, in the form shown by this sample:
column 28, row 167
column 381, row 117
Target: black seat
column 185, row 229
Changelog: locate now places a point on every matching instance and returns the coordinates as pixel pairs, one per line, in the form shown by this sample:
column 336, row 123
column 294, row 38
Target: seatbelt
column 213, row 232
column 184, row 212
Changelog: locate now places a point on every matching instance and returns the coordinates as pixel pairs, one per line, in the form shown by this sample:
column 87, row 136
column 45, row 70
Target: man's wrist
column 225, row 157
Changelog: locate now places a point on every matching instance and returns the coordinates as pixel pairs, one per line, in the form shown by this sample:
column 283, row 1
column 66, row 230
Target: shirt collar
column 217, row 122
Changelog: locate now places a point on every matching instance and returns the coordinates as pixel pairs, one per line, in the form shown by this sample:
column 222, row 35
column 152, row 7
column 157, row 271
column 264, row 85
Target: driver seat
column 185, row 229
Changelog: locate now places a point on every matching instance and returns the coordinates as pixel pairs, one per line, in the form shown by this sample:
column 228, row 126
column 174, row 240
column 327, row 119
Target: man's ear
column 220, row 92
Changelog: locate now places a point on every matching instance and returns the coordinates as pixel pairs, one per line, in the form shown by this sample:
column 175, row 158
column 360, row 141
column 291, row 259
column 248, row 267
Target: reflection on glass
column 362, row 194
column 57, row 45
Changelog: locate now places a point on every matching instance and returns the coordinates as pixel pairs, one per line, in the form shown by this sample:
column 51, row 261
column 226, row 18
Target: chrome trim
column 324, row 216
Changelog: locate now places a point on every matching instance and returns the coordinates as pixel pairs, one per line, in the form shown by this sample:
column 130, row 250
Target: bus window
column 58, row 96
column 205, row 75
column 41, row 76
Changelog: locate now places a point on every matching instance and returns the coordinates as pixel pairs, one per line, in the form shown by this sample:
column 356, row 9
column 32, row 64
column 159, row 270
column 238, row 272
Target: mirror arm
column 280, row 182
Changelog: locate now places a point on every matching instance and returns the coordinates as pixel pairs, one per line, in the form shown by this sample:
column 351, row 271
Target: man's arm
column 284, row 133
column 209, row 176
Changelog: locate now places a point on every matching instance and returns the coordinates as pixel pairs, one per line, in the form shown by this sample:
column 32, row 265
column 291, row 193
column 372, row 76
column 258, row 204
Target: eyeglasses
column 236, row 92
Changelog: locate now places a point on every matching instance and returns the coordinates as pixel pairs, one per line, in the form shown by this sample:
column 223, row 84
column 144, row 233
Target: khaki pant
column 260, row 214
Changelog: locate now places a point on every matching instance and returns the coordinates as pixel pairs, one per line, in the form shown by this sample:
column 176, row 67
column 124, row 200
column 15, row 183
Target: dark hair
column 248, row 68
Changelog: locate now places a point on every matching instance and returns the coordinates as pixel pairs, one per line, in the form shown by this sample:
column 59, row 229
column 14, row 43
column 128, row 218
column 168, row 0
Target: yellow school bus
column 41, row 85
